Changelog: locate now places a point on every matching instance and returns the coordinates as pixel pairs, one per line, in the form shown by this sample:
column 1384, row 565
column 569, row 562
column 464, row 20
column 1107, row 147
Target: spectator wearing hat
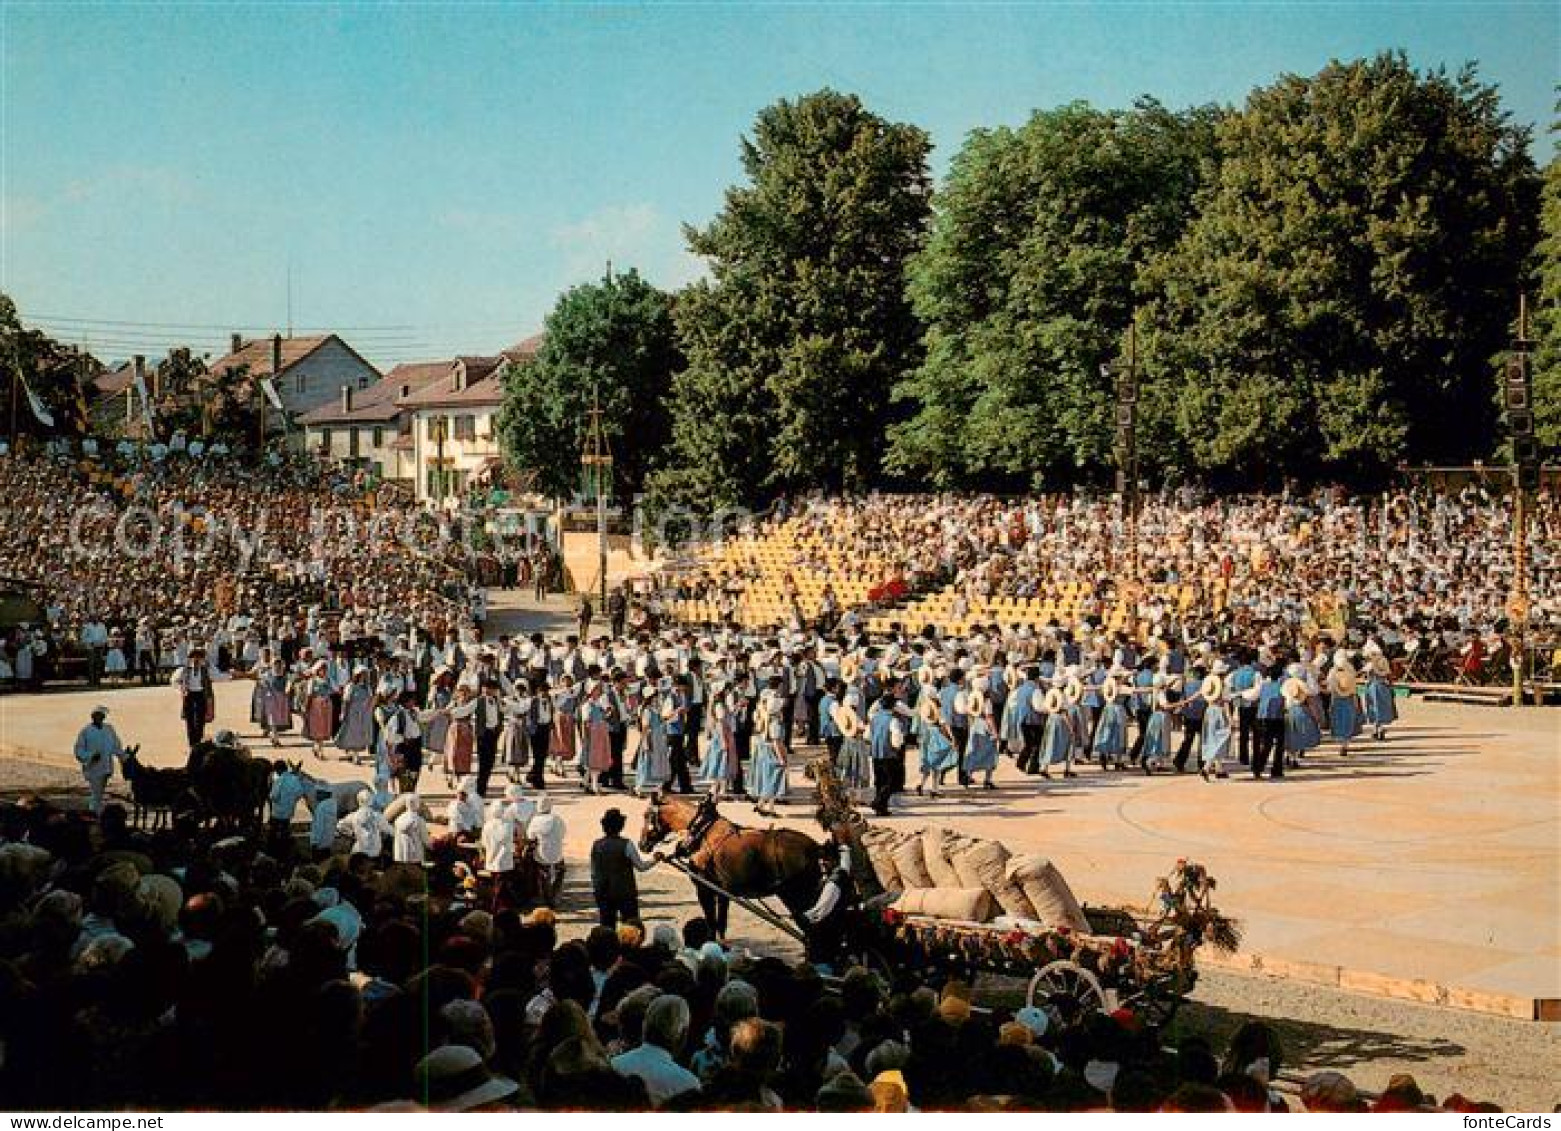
column 97, row 748
column 453, row 1078
column 614, row 861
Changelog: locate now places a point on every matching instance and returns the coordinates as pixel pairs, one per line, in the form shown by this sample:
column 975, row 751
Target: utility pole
column 596, row 460
column 1125, row 386
column 1517, row 394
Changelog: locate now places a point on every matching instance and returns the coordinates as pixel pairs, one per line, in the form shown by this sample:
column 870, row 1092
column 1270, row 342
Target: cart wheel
column 1067, row 980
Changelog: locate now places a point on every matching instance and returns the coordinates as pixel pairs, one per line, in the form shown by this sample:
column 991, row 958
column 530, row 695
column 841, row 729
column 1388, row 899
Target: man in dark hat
column 614, row 861
column 195, row 698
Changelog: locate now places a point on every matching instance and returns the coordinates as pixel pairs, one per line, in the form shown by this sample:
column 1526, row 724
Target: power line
column 223, row 326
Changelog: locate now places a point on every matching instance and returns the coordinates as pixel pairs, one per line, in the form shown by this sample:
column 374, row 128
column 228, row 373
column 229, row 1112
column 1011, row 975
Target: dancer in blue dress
column 718, row 768
column 1111, row 729
column 981, row 752
column 1343, row 706
column 1215, row 744
column 652, row 763
column 1057, row 743
column 855, row 764
column 933, row 737
column 1301, row 731
column 1158, row 730
column 1381, row 710
column 769, row 759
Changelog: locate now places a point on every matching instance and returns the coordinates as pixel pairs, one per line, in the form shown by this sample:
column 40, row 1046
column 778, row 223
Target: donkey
column 155, row 791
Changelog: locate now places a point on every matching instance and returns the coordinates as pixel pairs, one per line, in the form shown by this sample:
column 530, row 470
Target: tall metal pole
column 1132, row 448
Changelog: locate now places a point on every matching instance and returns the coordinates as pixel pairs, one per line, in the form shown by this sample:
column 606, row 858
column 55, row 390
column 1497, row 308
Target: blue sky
column 437, row 173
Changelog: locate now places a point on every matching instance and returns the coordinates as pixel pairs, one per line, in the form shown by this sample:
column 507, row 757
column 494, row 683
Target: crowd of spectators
column 135, row 561
column 180, row 971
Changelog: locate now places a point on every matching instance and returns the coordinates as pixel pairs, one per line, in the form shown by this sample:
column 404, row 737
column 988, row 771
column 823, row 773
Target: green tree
column 55, row 372
column 1352, row 272
column 1547, row 317
column 613, row 339
column 1028, row 281
column 795, row 342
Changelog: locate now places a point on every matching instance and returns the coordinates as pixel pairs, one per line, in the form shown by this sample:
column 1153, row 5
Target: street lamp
column 596, row 462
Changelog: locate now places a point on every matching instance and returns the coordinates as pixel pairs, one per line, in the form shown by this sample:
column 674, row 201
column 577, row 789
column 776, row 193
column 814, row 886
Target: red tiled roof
column 112, row 381
column 525, row 349
column 380, row 402
column 484, row 389
column 257, row 354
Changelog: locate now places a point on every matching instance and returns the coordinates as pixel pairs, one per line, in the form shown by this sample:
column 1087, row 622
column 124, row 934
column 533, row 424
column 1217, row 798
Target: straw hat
column 1109, row 690
column 1345, row 679
column 1212, row 688
column 1294, row 690
column 1074, row 690
column 1054, row 701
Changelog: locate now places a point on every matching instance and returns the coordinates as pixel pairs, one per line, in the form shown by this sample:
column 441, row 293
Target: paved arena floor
column 1425, row 867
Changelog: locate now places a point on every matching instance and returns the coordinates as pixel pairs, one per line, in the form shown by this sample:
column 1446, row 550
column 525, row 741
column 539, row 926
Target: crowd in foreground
column 187, row 971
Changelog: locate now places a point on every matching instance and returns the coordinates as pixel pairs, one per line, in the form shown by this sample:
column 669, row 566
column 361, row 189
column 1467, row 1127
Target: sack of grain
column 970, row 904
column 935, row 854
column 910, row 863
column 879, row 844
column 1053, row 900
column 984, row 863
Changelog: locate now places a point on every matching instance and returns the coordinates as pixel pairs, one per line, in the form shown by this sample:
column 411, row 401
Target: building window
column 300, row 383
column 379, row 437
column 325, row 439
column 352, row 442
column 363, row 381
column 465, row 427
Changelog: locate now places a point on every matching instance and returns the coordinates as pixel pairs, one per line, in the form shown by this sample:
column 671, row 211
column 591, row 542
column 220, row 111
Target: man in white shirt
column 97, row 746
column 547, row 830
column 94, row 638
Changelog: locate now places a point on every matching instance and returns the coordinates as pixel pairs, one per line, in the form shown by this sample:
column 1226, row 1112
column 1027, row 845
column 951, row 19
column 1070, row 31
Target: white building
column 368, row 428
column 308, row 372
column 430, row 424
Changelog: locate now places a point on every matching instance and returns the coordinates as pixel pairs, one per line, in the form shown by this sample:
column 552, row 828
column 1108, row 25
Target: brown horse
column 749, row 863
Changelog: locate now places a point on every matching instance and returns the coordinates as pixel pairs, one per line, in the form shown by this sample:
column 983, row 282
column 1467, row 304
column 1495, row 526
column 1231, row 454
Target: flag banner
column 146, row 402
column 40, row 410
column 268, row 386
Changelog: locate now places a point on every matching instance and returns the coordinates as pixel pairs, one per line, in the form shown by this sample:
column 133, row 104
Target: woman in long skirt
column 938, row 754
column 1111, row 729
column 598, row 739
column 1215, row 744
column 563, row 744
column 1158, row 731
column 515, row 739
column 981, row 747
column 1343, row 707
column 356, row 732
column 652, row 762
column 270, row 707
column 1057, row 744
column 769, row 759
column 461, row 739
column 1380, row 708
column 717, row 769
column 436, row 731
column 317, row 709
column 855, row 764
column 114, row 661
column 1301, row 730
